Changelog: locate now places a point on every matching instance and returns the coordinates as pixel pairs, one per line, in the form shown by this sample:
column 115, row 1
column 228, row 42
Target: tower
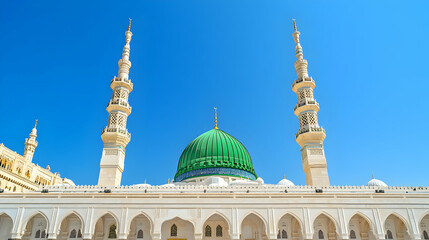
column 30, row 144
column 310, row 135
column 115, row 136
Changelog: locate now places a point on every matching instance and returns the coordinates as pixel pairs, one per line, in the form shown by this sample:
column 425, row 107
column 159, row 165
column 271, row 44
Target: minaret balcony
column 121, row 82
column 303, row 82
column 306, row 104
column 120, row 105
column 115, row 135
column 310, row 134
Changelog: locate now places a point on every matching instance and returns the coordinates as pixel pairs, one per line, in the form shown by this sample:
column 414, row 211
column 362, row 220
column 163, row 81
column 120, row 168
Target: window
column 73, row 233
column 425, row 235
column 389, row 234
column 43, row 234
column 140, row 234
column 321, row 235
column 173, row 231
column 284, row 234
column 112, row 231
column 79, row 234
column 278, row 235
column 208, row 231
column 37, row 234
column 352, row 234
column 219, row 231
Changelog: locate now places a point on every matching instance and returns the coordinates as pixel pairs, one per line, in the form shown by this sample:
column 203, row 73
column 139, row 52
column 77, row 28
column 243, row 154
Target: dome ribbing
column 215, row 153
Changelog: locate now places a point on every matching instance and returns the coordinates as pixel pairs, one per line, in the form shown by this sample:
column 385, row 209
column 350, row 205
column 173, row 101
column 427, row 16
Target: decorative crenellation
column 310, row 135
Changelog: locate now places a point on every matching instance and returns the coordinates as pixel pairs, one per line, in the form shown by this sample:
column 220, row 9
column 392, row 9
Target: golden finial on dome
column 129, row 24
column 215, row 127
column 284, row 177
column 294, row 25
column 35, row 125
column 372, row 176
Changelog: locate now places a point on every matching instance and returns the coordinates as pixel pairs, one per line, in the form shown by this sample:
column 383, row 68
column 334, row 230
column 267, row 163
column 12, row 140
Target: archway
column 424, row 227
column 289, row 228
column 140, row 228
column 6, row 225
column 177, row 228
column 106, row 228
column 36, row 228
column 71, row 228
column 253, row 228
column 360, row 228
column 216, row 228
column 324, row 228
column 395, row 228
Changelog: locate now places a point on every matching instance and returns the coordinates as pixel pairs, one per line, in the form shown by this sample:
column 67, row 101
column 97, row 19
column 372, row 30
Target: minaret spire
column 116, row 136
column 31, row 144
column 215, row 118
column 310, row 135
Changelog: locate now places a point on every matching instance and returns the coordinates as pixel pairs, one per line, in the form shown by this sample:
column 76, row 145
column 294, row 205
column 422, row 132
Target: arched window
column 112, row 231
column 73, row 233
column 278, row 235
column 389, row 234
column 173, row 231
column 79, row 234
column 425, row 235
column 208, row 231
column 321, row 236
column 37, row 234
column 140, row 234
column 43, row 234
column 284, row 234
column 352, row 234
column 219, row 231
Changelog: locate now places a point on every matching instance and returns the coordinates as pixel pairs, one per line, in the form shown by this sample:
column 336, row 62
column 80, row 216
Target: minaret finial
column 215, row 119
column 35, row 125
column 372, row 176
column 294, row 25
column 284, row 177
column 129, row 24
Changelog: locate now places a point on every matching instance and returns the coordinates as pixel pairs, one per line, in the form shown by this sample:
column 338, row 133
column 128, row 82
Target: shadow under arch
column 221, row 217
column 31, row 216
column 59, row 228
column 361, row 230
column 185, row 229
column 365, row 217
column 6, row 226
column 400, row 217
column 245, row 232
column 292, row 227
column 327, row 228
column 103, row 217
column 131, row 225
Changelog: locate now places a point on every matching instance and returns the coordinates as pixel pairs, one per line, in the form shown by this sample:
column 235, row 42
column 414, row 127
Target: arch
column 328, row 216
column 399, row 229
column 252, row 229
column 64, row 223
column 293, row 228
column 104, row 214
column 140, row 224
column 328, row 229
column 293, row 215
column 33, row 226
column 223, row 218
column 6, row 223
column 424, row 226
column 141, row 213
column 360, row 226
column 364, row 216
column 185, row 229
column 103, row 225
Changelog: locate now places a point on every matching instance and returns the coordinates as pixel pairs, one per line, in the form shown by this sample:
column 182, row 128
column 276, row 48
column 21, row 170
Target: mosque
column 216, row 193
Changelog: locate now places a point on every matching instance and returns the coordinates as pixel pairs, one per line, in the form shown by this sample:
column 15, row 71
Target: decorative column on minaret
column 115, row 136
column 30, row 144
column 310, row 135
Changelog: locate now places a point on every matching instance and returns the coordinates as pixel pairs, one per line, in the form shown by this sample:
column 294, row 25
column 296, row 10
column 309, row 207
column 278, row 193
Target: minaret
column 115, row 136
column 30, row 144
column 310, row 135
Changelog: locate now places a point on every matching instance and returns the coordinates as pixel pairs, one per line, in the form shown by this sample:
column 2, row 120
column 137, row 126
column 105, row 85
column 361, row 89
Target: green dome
column 215, row 153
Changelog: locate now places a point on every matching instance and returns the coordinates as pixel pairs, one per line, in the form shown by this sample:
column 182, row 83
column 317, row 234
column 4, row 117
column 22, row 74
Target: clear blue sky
column 368, row 58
